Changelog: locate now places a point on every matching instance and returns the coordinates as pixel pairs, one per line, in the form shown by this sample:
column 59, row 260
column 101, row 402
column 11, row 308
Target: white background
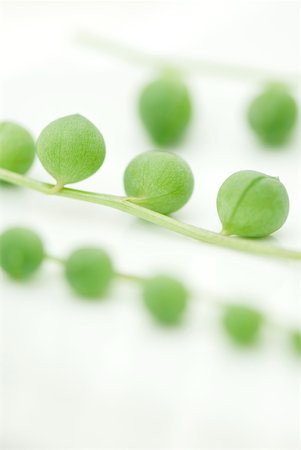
column 103, row 375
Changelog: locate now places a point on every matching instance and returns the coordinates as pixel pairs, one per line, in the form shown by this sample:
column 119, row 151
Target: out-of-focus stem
column 186, row 65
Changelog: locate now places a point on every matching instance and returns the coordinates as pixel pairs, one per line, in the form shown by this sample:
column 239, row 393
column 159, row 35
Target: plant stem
column 129, row 277
column 122, row 276
column 125, row 205
column 186, row 65
column 55, row 259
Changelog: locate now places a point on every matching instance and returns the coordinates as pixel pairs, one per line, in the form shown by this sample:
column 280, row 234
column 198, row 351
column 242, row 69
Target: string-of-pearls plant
column 249, row 203
column 165, row 103
column 90, row 273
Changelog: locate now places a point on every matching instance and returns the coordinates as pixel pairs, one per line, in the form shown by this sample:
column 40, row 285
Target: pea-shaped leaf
column 21, row 252
column 252, row 204
column 165, row 298
column 89, row 272
column 272, row 114
column 71, row 149
column 295, row 341
column 159, row 181
column 165, row 109
column 242, row 324
column 17, row 148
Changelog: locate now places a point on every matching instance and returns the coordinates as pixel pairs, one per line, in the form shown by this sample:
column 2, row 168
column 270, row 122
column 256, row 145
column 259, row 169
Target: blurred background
column 103, row 375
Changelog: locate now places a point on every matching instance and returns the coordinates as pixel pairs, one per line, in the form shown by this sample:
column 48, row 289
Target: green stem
column 125, row 205
column 55, row 259
column 129, row 277
column 186, row 65
column 122, row 276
